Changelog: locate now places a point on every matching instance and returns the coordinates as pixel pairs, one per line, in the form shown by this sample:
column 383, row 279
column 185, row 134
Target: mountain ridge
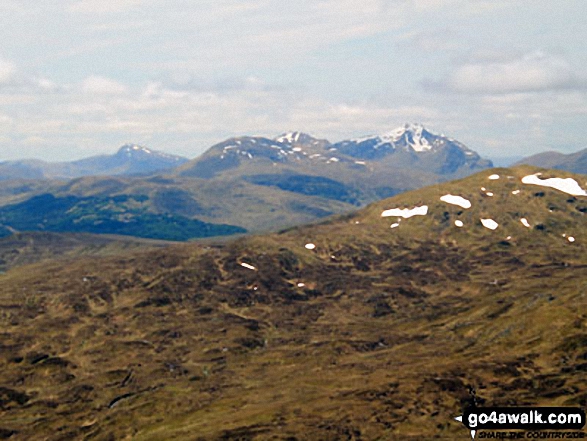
column 421, row 149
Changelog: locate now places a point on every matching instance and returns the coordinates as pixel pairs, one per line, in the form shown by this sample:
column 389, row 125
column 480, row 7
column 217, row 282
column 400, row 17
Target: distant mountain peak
column 296, row 138
column 129, row 149
column 413, row 135
column 138, row 151
column 414, row 144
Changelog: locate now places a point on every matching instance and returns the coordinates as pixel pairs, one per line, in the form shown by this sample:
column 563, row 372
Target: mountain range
column 382, row 323
column 242, row 184
column 411, row 150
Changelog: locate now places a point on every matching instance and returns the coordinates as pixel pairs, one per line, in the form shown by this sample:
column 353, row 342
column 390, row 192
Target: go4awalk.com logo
column 535, row 422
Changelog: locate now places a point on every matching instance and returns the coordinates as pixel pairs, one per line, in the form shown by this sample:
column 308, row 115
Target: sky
column 82, row 77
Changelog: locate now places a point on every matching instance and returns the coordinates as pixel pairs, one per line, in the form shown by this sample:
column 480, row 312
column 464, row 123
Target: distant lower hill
column 31, row 247
column 382, row 324
column 572, row 162
column 131, row 159
column 122, row 214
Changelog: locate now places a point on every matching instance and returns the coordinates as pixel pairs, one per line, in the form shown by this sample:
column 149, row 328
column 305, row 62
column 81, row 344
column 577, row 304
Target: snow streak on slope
column 456, row 200
column 406, row 212
column 568, row 185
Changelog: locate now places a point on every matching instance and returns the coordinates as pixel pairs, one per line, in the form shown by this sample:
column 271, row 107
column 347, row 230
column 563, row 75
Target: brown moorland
column 377, row 333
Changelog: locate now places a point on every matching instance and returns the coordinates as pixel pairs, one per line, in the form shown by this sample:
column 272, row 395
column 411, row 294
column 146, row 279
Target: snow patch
column 394, row 225
column 456, row 200
column 459, row 223
column 290, row 137
column 310, row 246
column 493, row 177
column 571, row 239
column 568, row 185
column 489, row 223
column 490, row 194
column 525, row 222
column 406, row 212
column 301, row 285
column 248, row 266
column 516, row 192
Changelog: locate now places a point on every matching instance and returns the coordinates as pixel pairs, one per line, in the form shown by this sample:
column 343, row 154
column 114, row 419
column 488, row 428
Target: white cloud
column 103, row 6
column 198, row 71
column 34, row 140
column 7, row 71
column 535, row 71
column 102, row 86
column 543, row 107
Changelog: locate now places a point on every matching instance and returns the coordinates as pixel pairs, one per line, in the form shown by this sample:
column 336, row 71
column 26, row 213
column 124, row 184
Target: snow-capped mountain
column 410, row 138
column 300, row 138
column 293, row 149
column 411, row 146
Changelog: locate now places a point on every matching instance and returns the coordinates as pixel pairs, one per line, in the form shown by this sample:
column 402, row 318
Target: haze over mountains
column 241, row 184
column 384, row 323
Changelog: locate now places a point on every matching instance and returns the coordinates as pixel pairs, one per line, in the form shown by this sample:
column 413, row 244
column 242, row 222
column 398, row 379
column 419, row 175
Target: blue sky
column 82, row 77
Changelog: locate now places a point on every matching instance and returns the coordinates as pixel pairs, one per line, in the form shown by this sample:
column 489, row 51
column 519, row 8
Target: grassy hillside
column 371, row 333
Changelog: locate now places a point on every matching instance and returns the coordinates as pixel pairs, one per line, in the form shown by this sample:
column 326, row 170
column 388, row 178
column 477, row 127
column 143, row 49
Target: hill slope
column 344, row 330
